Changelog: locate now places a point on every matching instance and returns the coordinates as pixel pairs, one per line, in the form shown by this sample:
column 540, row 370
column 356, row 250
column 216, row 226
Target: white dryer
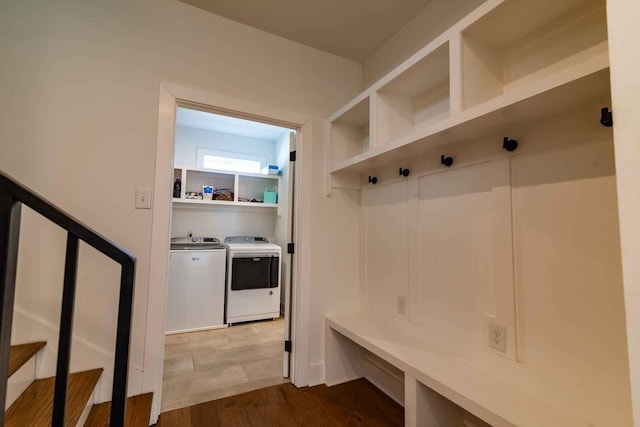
column 253, row 279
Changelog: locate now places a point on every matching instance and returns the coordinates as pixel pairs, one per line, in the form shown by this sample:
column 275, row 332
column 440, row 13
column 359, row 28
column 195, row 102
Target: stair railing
column 12, row 196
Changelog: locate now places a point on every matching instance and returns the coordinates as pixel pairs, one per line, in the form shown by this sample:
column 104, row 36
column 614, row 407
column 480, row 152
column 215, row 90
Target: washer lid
column 195, row 243
column 195, row 247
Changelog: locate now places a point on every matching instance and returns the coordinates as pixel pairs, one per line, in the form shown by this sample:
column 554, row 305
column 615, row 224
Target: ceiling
column 353, row 29
column 225, row 124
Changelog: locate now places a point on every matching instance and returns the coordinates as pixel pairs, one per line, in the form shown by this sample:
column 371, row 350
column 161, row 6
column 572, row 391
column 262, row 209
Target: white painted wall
column 624, row 26
column 82, row 80
column 189, row 139
column 429, row 23
column 222, row 221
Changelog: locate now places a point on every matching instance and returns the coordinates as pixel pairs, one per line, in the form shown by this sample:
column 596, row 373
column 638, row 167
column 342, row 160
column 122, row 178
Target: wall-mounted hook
column 606, row 117
column 373, row 180
column 403, row 172
column 447, row 161
column 509, row 144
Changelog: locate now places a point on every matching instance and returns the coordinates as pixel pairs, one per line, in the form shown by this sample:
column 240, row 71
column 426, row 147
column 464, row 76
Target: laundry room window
column 227, row 161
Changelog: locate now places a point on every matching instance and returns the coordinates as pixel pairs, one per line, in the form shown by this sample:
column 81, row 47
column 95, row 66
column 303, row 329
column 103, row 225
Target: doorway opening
column 230, row 275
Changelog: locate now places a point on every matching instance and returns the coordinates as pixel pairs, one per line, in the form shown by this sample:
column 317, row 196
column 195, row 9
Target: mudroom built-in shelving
column 483, row 241
column 508, row 62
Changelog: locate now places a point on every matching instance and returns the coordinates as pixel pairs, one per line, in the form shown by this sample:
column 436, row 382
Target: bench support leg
column 425, row 408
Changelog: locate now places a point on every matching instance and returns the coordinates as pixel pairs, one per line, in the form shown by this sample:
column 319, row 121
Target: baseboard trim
column 315, row 373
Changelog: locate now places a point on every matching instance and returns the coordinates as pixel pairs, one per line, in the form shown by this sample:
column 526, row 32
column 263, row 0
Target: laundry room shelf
column 223, row 203
column 244, row 186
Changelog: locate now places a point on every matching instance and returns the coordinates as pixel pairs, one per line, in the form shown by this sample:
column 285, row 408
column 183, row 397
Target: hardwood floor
column 356, row 403
column 203, row 366
column 138, row 412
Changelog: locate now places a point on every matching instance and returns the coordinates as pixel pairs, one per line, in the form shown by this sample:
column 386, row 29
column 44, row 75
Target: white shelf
column 243, row 185
column 501, row 400
column 351, row 132
column 223, row 203
column 508, row 62
column 419, row 95
column 563, row 92
column 520, row 42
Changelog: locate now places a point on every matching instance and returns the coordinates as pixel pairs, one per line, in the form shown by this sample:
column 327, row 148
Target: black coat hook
column 447, row 161
column 373, row 180
column 606, row 117
column 403, row 172
column 509, row 144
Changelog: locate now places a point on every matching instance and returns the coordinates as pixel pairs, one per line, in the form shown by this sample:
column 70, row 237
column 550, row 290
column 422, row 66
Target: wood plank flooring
column 356, row 403
column 34, row 407
column 21, row 353
column 208, row 365
column 138, row 412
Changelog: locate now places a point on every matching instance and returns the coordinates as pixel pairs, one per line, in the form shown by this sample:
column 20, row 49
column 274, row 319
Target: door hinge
column 291, row 248
column 292, row 156
column 287, row 346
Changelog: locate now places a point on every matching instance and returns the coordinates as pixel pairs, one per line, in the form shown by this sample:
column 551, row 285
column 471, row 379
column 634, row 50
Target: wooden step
column 34, row 407
column 20, row 354
column 138, row 412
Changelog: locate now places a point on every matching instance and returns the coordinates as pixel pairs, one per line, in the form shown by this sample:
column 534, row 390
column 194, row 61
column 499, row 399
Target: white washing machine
column 195, row 300
column 253, row 279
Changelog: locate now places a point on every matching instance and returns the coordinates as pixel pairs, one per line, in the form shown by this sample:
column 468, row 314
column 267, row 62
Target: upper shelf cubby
column 350, row 132
column 417, row 96
column 506, row 62
column 523, row 41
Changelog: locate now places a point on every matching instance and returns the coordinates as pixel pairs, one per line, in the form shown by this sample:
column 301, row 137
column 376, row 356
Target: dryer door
column 253, row 272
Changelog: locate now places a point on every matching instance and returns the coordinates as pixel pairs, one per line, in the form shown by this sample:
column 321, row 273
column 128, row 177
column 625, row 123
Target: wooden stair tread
column 20, row 354
column 34, row 407
column 138, row 412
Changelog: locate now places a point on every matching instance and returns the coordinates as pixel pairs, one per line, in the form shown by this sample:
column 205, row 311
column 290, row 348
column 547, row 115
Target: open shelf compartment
column 350, row 132
column 253, row 187
column 521, row 41
column 196, row 179
column 418, row 96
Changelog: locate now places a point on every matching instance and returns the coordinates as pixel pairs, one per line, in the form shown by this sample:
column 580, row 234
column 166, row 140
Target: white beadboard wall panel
column 568, row 267
column 387, row 249
column 455, row 253
column 528, row 240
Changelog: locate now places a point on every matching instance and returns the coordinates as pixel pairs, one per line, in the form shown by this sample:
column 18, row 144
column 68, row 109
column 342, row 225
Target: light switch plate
column 143, row 198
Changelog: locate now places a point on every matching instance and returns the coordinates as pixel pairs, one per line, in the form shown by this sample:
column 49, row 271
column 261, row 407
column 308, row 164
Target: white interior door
column 288, row 279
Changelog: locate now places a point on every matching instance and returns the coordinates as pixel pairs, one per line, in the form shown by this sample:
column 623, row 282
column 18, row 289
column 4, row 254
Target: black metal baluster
column 66, row 326
column 9, row 237
column 121, row 364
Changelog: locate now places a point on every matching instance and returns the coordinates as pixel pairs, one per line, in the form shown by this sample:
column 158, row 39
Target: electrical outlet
column 402, row 305
column 498, row 337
